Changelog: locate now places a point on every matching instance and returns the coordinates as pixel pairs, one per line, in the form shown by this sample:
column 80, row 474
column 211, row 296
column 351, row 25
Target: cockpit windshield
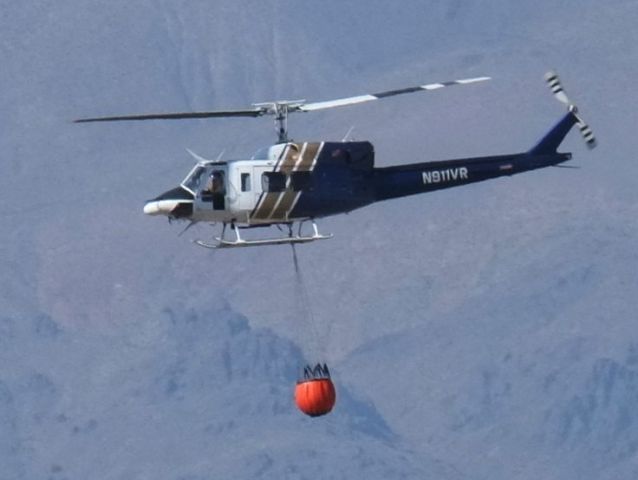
column 195, row 179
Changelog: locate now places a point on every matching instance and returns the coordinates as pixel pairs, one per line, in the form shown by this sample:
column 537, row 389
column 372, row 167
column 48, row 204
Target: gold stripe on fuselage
column 306, row 163
column 284, row 204
column 276, row 206
column 288, row 195
column 270, row 199
column 296, row 152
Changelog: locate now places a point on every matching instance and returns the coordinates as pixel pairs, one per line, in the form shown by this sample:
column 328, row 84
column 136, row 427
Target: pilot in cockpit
column 215, row 186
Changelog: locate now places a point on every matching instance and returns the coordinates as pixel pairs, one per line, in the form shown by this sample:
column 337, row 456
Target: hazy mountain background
column 487, row 332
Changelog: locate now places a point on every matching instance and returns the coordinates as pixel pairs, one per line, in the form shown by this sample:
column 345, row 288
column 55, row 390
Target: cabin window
column 301, row 181
column 245, row 182
column 273, row 182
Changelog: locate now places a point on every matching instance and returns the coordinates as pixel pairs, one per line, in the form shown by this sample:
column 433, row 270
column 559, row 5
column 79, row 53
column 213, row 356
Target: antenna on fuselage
column 346, row 137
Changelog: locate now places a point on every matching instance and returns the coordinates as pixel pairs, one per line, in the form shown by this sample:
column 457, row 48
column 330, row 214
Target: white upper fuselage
column 261, row 190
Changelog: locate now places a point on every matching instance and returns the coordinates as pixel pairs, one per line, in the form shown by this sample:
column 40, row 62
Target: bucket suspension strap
column 304, row 297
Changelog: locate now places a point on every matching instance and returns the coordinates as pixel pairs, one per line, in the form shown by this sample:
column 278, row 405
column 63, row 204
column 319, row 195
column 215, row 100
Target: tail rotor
column 556, row 87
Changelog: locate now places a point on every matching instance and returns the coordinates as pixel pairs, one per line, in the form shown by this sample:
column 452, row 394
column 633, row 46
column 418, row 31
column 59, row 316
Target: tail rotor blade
column 585, row 131
column 556, row 87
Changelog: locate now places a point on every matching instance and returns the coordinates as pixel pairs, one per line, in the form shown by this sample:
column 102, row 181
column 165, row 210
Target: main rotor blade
column 256, row 112
column 309, row 107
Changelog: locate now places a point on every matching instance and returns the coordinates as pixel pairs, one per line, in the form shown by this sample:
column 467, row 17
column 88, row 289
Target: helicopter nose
column 151, row 208
column 159, row 207
column 174, row 203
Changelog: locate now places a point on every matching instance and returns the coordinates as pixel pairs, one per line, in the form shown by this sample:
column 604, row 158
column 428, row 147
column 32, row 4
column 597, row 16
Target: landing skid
column 291, row 239
column 257, row 243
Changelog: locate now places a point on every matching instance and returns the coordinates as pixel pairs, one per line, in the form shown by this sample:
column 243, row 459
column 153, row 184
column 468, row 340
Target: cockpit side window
column 216, row 183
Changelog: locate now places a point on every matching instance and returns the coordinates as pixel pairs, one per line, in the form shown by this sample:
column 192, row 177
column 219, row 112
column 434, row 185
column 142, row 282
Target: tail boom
column 404, row 180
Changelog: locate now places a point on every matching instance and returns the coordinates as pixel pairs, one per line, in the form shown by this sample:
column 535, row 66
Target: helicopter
column 292, row 182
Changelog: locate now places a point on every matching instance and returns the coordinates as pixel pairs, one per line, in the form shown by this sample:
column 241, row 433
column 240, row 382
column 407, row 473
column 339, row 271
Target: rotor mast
column 279, row 110
column 281, row 122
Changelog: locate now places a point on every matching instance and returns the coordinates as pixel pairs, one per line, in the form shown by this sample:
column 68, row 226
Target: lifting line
column 305, row 300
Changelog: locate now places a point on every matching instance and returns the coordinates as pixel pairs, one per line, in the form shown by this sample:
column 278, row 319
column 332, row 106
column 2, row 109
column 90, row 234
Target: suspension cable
column 305, row 300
